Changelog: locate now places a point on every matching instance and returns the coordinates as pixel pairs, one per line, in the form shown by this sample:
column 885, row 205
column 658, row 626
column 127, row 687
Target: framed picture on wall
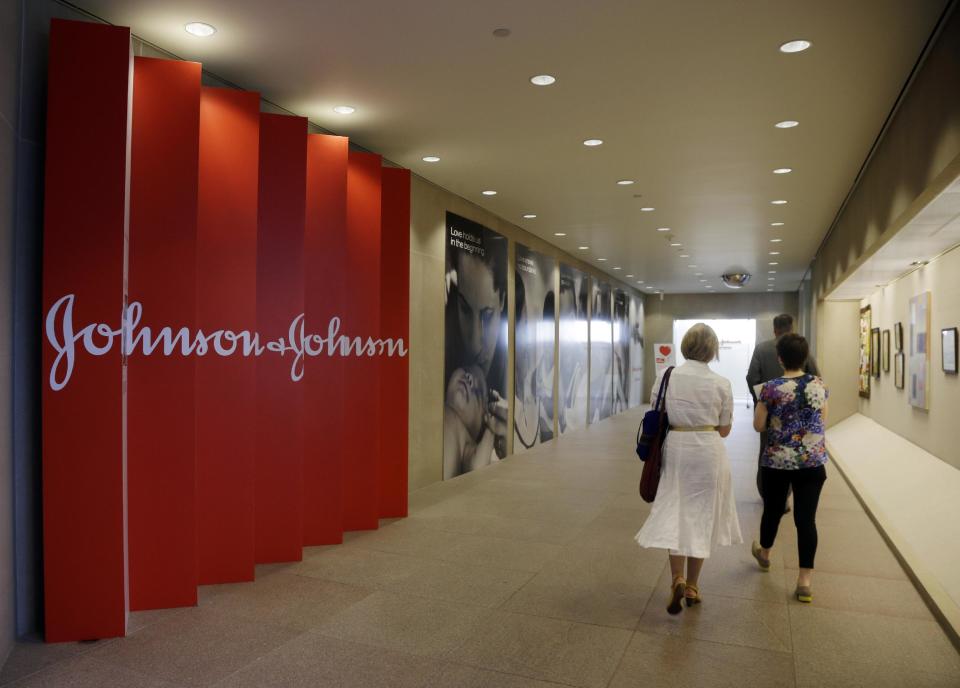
column 898, row 336
column 919, row 377
column 898, row 370
column 886, row 351
column 948, row 350
column 875, row 352
column 864, row 373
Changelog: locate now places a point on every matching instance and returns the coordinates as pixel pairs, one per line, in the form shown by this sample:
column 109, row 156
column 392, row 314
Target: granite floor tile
column 358, row 566
column 883, row 596
column 463, row 676
column 30, row 656
column 545, row 649
column 866, row 674
column 467, row 584
column 655, row 661
column 85, row 672
column 517, row 555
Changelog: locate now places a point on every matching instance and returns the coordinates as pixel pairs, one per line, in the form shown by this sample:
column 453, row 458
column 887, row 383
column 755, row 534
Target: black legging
column 807, row 483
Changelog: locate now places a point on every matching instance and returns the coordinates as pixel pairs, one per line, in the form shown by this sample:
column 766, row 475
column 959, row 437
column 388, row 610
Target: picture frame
column 885, row 345
column 918, row 373
column 898, row 366
column 875, row 352
column 864, row 360
column 898, row 336
column 948, row 350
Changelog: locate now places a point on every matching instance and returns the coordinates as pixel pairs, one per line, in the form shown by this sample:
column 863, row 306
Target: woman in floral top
column 793, row 411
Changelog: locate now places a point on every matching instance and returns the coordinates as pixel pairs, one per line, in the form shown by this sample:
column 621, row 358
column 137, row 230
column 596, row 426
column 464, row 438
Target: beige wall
column 838, row 338
column 428, row 207
column 660, row 314
column 916, row 159
column 936, row 430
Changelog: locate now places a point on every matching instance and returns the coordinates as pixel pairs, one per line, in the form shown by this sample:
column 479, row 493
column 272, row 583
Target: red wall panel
column 394, row 324
column 161, row 459
column 362, row 319
column 227, row 300
column 280, row 237
column 84, row 248
column 324, row 276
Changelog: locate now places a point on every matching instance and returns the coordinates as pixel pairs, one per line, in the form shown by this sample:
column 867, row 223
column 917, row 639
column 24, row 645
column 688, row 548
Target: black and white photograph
column 601, row 352
column 476, row 408
column 574, row 349
column 534, row 344
column 636, row 351
column 621, row 351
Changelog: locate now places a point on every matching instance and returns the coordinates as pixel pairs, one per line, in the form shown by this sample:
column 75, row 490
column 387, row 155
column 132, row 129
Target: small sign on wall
column 664, row 356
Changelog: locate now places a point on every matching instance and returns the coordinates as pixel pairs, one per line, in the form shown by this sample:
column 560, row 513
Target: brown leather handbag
column 650, row 477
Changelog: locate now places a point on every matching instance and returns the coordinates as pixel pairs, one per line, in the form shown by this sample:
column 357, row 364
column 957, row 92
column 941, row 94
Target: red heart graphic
column 665, row 350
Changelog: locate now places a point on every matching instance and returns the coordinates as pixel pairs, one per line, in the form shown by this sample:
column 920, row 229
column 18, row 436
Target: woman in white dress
column 695, row 509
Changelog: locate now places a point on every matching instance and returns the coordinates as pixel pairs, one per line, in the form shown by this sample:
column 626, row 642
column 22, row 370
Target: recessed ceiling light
column 530, row 216
column 703, row 280
column 778, row 202
column 344, row 110
column 774, row 253
column 771, row 278
column 593, row 142
column 776, row 224
column 647, row 210
column 489, row 193
column 771, row 272
column 663, row 229
column 691, row 266
column 618, row 268
column 675, row 243
column 639, row 281
column 602, row 260
column 918, row 263
column 786, row 124
column 543, row 80
column 430, row 158
column 783, row 170
column 796, row 46
column 501, row 32
column 773, row 262
column 775, row 241
column 559, row 234
column 583, row 248
column 684, row 255
column 625, row 182
column 200, row 29
column 699, row 274
column 628, row 275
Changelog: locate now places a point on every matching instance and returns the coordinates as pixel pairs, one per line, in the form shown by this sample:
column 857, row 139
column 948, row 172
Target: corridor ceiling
column 683, row 94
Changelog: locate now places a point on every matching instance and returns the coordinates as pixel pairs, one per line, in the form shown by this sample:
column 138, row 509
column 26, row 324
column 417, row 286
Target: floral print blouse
column 795, row 433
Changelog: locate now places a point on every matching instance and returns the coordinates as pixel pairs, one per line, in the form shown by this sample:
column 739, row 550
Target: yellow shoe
column 675, row 603
column 691, row 595
column 804, row 594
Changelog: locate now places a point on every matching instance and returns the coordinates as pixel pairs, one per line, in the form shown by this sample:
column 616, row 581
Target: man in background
column 764, row 366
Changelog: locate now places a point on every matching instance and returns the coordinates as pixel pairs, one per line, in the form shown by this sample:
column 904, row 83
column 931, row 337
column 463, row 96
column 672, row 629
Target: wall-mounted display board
column 919, row 373
column 875, row 352
column 601, row 351
column 865, row 356
column 636, row 350
column 886, row 351
column 898, row 368
column 621, row 351
column 574, row 349
column 948, row 350
column 898, row 336
column 207, row 272
column 476, row 400
column 534, row 345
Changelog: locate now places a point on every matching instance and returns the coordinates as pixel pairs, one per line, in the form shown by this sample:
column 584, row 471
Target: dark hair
column 793, row 351
column 782, row 323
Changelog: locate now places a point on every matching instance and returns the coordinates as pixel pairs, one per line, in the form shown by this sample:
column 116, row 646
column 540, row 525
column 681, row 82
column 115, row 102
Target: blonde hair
column 700, row 343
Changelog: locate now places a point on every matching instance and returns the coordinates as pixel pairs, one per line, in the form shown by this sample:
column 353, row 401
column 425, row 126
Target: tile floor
column 526, row 574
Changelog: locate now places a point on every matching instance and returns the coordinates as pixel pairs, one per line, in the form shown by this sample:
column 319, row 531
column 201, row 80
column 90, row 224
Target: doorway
column 737, row 340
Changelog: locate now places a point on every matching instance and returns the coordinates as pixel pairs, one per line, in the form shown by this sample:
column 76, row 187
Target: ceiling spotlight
column 774, row 253
column 593, row 142
column 675, row 243
column 775, row 241
column 778, row 202
column 543, row 80
column 797, row 46
column 773, row 262
column 771, row 278
column 199, row 29
column 663, row 229
column 559, row 234
column 489, row 193
column 776, row 224
column 628, row 275
column 786, row 124
column 692, row 266
column 736, row 280
column 602, row 260
column 771, row 272
column 639, row 281
column 647, row 210
column 344, row 110
column 699, row 274
column 625, row 182
column 783, row 170
column 529, row 216
column 684, row 255
column 618, row 268
column 918, row 263
column 703, row 280
column 430, row 158
column 583, row 248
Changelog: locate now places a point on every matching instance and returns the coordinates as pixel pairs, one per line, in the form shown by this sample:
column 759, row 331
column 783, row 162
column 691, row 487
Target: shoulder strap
column 662, row 394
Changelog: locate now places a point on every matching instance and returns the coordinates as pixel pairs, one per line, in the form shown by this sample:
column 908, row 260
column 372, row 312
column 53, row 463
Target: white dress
column 695, row 509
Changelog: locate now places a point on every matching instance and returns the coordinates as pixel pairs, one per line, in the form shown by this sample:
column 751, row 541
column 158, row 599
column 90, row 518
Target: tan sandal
column 755, row 550
column 692, row 599
column 675, row 603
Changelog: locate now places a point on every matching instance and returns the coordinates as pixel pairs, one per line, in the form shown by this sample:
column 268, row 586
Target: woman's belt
column 698, row 428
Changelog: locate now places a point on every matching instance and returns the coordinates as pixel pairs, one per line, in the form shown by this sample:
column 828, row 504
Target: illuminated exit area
column 737, row 340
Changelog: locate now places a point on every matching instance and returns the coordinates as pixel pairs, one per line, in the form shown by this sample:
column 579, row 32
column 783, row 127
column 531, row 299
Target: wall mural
column 476, row 408
column 865, row 355
column 601, row 352
column 621, row 351
column 919, row 350
column 222, row 303
column 534, row 345
column 574, row 349
column 636, row 351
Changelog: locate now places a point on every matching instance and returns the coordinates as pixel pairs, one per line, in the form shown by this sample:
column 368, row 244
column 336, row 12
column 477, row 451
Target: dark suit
column 764, row 366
